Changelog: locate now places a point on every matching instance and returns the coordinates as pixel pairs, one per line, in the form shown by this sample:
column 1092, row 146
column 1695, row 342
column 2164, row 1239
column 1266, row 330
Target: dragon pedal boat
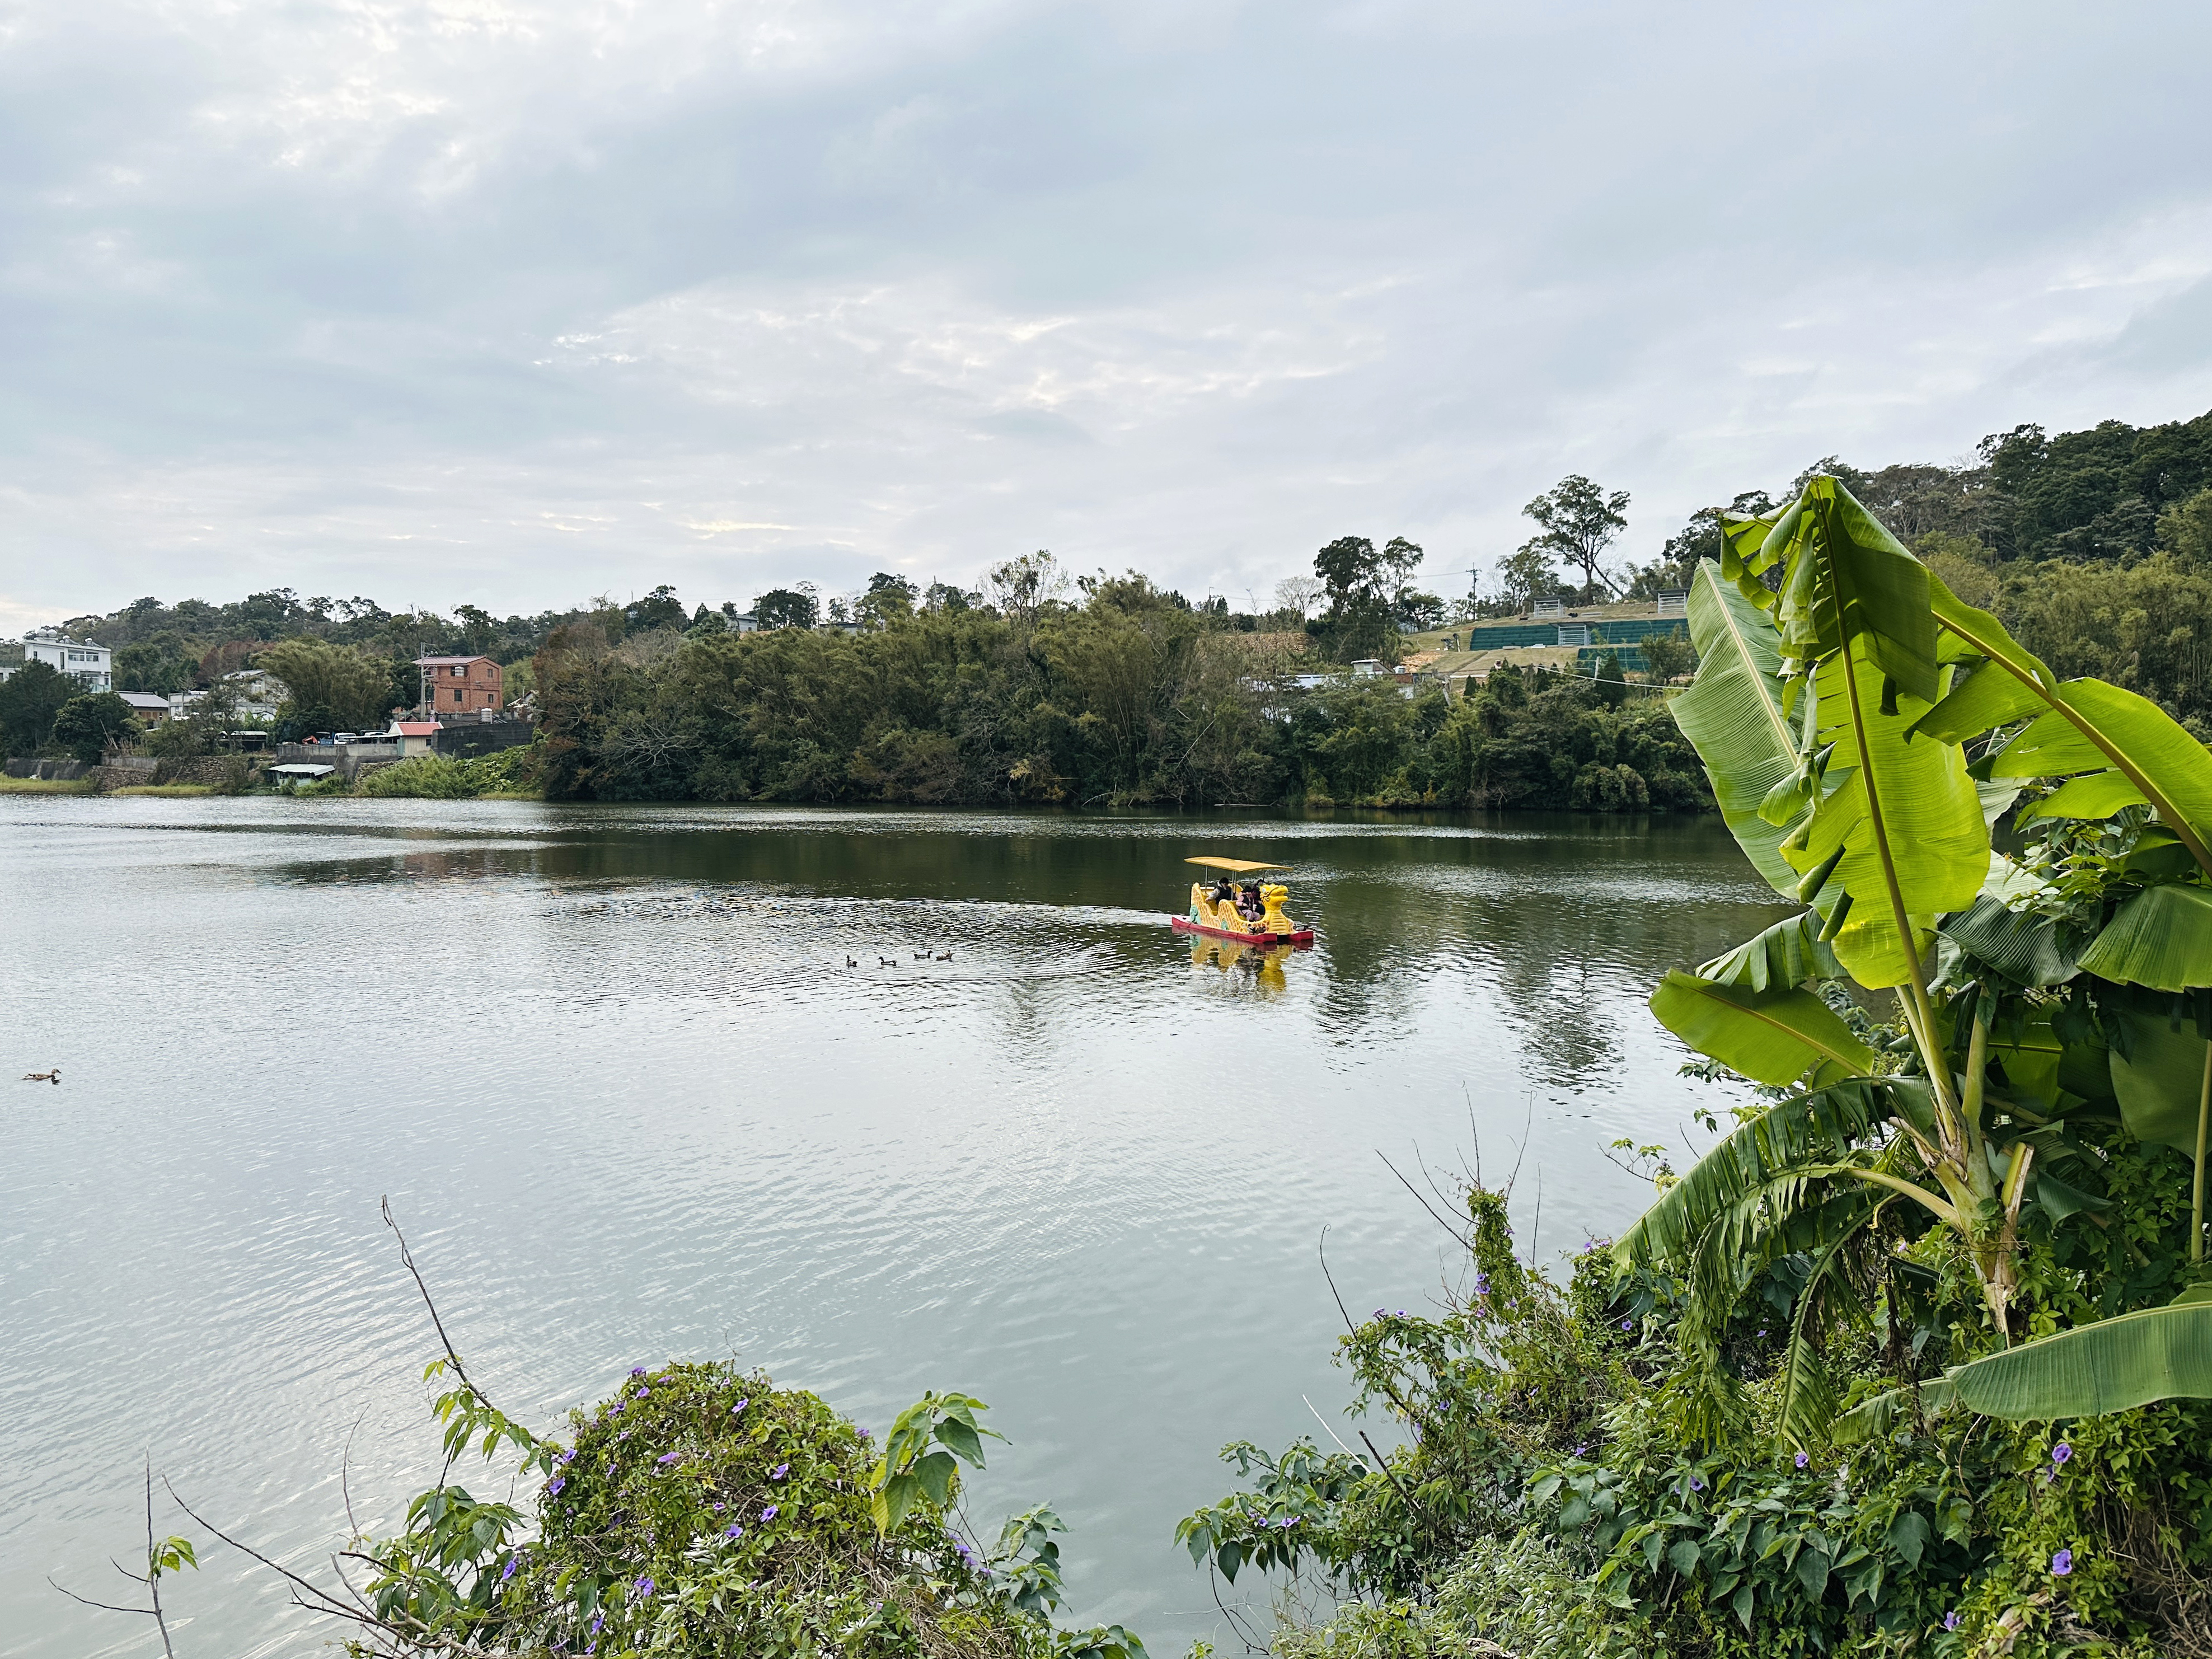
column 1247, row 913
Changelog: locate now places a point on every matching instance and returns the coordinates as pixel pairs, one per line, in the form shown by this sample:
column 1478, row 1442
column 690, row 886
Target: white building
column 92, row 665
column 258, row 697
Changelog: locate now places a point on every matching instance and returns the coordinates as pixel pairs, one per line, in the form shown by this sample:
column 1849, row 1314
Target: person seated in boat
column 1249, row 901
column 1226, row 892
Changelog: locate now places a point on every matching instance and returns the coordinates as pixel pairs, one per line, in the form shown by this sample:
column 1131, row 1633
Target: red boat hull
column 1303, row 939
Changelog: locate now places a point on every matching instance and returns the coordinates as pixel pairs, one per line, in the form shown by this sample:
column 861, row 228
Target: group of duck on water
column 1246, row 911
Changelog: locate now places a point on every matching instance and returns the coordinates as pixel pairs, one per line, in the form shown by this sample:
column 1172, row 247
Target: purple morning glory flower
column 567, row 1456
column 1580, row 1450
column 2062, row 1564
column 864, row 1434
column 1951, row 1621
column 735, row 1531
column 637, row 1370
column 2061, row 1452
column 768, row 1514
column 513, row 1562
column 666, row 1458
column 1401, row 1314
column 553, row 1486
column 779, row 1472
column 1628, row 1324
column 719, row 1508
column 643, row 1393
column 740, row 1407
column 1696, row 1483
column 1803, row 1459
column 644, row 1585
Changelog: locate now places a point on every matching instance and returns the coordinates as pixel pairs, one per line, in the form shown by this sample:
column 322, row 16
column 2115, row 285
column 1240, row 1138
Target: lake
column 630, row 1104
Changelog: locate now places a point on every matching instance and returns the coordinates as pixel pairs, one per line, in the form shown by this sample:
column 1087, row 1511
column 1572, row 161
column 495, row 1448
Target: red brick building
column 460, row 685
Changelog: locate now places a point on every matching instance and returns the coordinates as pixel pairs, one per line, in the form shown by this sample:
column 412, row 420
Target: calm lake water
column 631, row 1104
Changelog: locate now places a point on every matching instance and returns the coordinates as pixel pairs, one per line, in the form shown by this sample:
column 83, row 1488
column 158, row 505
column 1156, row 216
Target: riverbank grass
column 44, row 787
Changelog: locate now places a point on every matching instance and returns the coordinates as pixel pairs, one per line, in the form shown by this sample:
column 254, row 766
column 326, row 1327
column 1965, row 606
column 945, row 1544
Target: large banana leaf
column 2161, row 938
column 2116, row 730
column 1775, row 1035
column 1832, row 1299
column 1824, row 1124
column 2020, row 945
column 1787, row 954
column 2098, row 795
column 2159, row 1081
column 1906, row 820
column 1732, row 714
column 1845, row 580
column 2028, row 1056
column 2113, row 1365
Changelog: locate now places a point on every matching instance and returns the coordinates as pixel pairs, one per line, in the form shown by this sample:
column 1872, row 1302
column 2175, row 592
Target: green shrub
column 705, row 1512
column 428, row 777
column 1555, row 1499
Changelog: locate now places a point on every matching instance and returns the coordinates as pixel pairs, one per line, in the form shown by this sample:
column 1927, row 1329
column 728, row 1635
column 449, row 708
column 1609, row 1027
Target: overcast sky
column 515, row 303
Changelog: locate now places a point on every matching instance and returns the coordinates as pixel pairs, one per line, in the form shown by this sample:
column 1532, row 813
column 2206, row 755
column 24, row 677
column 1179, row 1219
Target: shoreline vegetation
column 2094, row 549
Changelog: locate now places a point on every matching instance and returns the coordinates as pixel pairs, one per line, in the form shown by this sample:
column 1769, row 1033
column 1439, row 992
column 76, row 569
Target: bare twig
column 324, row 1602
column 407, row 1259
column 1392, row 1475
column 1328, row 1430
column 1417, row 1199
column 1322, row 1250
column 153, row 1577
column 345, row 1467
column 1536, row 1225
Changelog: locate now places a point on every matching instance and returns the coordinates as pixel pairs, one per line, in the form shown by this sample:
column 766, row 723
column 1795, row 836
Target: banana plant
column 1862, row 729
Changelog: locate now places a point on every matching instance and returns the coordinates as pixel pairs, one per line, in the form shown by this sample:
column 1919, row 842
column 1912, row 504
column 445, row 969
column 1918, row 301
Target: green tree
column 1611, row 680
column 479, row 629
column 2184, row 530
column 1369, row 591
column 1023, row 589
column 1667, row 655
column 890, row 599
column 161, row 667
column 788, row 607
column 29, row 699
column 659, row 608
column 332, row 688
column 88, row 726
column 1526, row 576
column 1579, row 522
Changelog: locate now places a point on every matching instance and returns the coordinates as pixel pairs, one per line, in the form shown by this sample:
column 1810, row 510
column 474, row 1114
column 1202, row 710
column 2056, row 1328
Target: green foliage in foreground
column 703, row 1512
column 1558, row 1500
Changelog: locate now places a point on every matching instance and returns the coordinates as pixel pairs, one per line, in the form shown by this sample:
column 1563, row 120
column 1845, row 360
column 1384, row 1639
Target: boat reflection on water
column 1248, row 964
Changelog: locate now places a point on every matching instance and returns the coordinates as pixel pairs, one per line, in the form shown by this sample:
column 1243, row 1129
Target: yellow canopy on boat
column 1236, row 866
